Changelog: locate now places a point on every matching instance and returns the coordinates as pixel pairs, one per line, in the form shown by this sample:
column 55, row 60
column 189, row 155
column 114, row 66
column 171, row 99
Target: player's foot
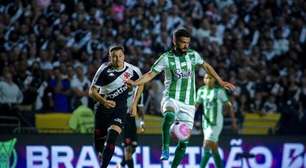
column 164, row 155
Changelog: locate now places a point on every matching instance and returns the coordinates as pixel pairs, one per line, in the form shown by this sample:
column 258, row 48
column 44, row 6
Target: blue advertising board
column 76, row 151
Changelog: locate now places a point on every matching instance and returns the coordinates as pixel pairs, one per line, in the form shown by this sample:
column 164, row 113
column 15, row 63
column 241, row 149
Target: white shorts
column 183, row 112
column 212, row 132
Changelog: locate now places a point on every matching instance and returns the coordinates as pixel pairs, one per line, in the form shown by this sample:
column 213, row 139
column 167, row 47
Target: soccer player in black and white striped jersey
column 110, row 91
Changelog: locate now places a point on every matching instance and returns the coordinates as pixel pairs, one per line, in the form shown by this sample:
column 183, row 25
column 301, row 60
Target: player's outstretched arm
column 209, row 69
column 93, row 93
column 137, row 96
column 144, row 79
column 229, row 108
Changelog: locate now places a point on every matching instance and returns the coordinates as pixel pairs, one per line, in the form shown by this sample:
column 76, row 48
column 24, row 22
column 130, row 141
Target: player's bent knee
column 211, row 145
column 129, row 156
column 169, row 115
column 112, row 136
column 129, row 150
column 214, row 147
column 183, row 145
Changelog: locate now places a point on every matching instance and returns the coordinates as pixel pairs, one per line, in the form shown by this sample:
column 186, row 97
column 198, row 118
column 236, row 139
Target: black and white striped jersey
column 111, row 82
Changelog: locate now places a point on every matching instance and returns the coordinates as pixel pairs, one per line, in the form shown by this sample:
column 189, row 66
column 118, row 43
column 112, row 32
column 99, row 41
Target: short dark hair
column 115, row 47
column 181, row 32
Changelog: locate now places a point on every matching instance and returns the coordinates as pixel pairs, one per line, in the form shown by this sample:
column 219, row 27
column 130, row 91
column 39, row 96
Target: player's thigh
column 102, row 123
column 130, row 125
column 169, row 105
column 211, row 145
column 186, row 114
column 130, row 132
column 212, row 133
column 118, row 119
column 128, row 151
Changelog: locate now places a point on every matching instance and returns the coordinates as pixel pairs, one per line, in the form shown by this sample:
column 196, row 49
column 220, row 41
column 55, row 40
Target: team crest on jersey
column 126, row 75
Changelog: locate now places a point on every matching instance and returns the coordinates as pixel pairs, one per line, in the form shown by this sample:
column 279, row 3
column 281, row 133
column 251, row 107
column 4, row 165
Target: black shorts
column 130, row 132
column 104, row 119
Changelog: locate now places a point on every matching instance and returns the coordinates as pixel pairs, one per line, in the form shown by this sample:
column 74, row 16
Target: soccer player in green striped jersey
column 214, row 99
column 178, row 103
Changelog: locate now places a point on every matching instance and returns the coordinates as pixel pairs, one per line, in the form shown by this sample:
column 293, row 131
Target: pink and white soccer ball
column 180, row 131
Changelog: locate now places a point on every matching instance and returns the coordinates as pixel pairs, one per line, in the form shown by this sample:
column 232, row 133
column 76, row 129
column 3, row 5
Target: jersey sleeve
column 198, row 59
column 95, row 80
column 136, row 73
column 222, row 95
column 199, row 99
column 159, row 65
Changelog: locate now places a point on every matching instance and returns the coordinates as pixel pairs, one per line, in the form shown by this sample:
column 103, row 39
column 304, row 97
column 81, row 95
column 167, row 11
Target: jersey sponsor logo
column 117, row 92
column 118, row 120
column 111, row 74
column 182, row 74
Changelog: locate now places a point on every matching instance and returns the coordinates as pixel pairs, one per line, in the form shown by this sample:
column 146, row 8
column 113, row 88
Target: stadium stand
column 50, row 46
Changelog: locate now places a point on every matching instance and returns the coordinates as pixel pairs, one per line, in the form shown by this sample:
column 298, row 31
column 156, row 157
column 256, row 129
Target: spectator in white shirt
column 10, row 93
column 80, row 85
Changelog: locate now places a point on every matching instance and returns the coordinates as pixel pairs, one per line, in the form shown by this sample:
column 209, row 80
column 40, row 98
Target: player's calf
column 167, row 122
column 109, row 147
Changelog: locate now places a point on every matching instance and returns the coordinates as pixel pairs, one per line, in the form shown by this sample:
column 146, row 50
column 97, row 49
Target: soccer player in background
column 179, row 96
column 130, row 129
column 110, row 90
column 213, row 98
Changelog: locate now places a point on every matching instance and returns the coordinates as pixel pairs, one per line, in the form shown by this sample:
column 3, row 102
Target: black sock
column 123, row 162
column 109, row 147
column 130, row 163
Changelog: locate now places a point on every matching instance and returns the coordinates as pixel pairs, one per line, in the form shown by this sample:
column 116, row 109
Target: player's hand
column 133, row 111
column 130, row 82
column 109, row 104
column 228, row 85
column 141, row 127
column 141, row 130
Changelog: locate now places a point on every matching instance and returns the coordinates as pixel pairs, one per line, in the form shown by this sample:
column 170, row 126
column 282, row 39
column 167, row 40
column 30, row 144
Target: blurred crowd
column 50, row 50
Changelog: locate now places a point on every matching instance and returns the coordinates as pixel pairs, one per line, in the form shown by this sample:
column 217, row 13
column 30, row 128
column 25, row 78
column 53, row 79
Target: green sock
column 179, row 153
column 168, row 120
column 205, row 158
column 217, row 159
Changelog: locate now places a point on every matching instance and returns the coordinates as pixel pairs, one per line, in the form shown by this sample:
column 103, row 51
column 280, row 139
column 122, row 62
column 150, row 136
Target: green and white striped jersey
column 213, row 100
column 179, row 74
